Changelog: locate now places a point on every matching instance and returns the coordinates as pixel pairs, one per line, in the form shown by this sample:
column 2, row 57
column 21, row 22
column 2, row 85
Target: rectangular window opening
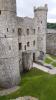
column 27, row 31
column 28, row 44
column 0, row 12
column 20, row 46
column 19, row 31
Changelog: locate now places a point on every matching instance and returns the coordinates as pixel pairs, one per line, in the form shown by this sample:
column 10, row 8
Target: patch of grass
column 48, row 60
column 54, row 64
column 53, row 57
column 37, row 84
column 51, row 60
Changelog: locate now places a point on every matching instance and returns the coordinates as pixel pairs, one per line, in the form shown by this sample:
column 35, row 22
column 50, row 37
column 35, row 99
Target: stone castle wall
column 9, row 54
column 17, row 51
column 51, row 41
column 40, row 24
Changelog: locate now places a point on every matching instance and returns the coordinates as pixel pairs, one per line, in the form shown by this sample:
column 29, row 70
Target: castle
column 22, row 41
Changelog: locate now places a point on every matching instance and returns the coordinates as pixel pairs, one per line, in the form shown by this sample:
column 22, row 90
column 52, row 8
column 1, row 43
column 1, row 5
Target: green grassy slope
column 50, row 59
column 36, row 83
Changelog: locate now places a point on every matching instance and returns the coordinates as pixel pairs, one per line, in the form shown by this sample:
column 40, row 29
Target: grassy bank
column 50, row 59
column 36, row 83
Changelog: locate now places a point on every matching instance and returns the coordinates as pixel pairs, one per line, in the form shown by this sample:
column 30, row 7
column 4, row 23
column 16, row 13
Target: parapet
column 45, row 8
column 8, row 5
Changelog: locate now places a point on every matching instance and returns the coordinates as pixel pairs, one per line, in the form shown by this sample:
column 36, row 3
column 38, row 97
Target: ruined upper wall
column 51, row 31
column 25, row 23
column 8, row 5
column 41, row 8
column 51, row 41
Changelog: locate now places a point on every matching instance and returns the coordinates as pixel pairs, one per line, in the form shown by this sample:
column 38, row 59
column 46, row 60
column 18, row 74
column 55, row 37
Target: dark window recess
column 34, row 31
column 7, row 29
column 0, row 12
column 19, row 31
column 28, row 44
column 34, row 42
column 33, row 56
column 20, row 46
column 38, row 28
column 13, row 30
column 41, row 22
column 5, row 36
column 25, row 47
column 27, row 31
column 9, row 47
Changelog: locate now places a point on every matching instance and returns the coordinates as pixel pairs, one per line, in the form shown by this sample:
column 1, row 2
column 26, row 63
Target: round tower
column 8, row 5
column 40, row 23
column 9, row 61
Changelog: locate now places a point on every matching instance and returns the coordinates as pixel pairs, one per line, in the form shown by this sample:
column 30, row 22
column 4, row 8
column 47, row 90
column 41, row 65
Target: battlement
column 45, row 8
column 9, row 5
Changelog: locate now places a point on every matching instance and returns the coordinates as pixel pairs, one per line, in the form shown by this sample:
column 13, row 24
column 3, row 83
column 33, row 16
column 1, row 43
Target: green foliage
column 51, row 25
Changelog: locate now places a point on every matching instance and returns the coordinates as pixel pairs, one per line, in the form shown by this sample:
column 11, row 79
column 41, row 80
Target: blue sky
column 25, row 8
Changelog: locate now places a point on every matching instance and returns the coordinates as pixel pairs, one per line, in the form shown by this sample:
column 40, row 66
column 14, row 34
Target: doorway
column 33, row 56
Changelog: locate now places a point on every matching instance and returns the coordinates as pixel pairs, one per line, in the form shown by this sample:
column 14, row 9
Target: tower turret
column 8, row 5
column 40, row 23
column 9, row 60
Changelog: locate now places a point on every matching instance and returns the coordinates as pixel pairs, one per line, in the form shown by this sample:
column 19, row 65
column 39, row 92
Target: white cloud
column 54, row 1
column 52, row 11
column 51, row 20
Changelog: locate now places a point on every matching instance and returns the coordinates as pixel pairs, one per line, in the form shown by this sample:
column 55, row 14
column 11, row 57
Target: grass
column 48, row 60
column 54, row 64
column 36, row 83
column 54, row 57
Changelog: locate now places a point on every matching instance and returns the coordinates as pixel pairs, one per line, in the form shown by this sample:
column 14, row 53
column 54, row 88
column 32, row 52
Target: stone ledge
column 8, row 91
column 25, row 98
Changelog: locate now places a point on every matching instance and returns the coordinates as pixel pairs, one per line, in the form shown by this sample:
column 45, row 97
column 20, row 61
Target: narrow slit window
column 0, row 12
column 34, row 31
column 27, row 31
column 19, row 31
column 34, row 43
column 25, row 47
column 28, row 44
column 5, row 36
column 9, row 47
column 20, row 46
column 13, row 30
column 7, row 29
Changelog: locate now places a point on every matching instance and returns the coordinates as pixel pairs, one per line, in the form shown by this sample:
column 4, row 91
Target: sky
column 25, row 8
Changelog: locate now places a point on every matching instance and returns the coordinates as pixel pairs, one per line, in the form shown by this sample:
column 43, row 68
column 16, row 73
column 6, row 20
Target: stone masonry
column 51, row 41
column 22, row 41
column 9, row 60
column 32, row 37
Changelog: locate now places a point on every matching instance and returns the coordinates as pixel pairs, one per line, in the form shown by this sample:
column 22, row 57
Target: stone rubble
column 26, row 98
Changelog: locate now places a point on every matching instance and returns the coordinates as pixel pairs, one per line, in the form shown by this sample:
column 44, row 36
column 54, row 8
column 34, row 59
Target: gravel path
column 50, row 71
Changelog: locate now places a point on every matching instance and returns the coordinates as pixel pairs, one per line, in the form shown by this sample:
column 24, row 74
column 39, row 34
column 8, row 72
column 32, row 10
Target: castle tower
column 40, row 24
column 9, row 61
